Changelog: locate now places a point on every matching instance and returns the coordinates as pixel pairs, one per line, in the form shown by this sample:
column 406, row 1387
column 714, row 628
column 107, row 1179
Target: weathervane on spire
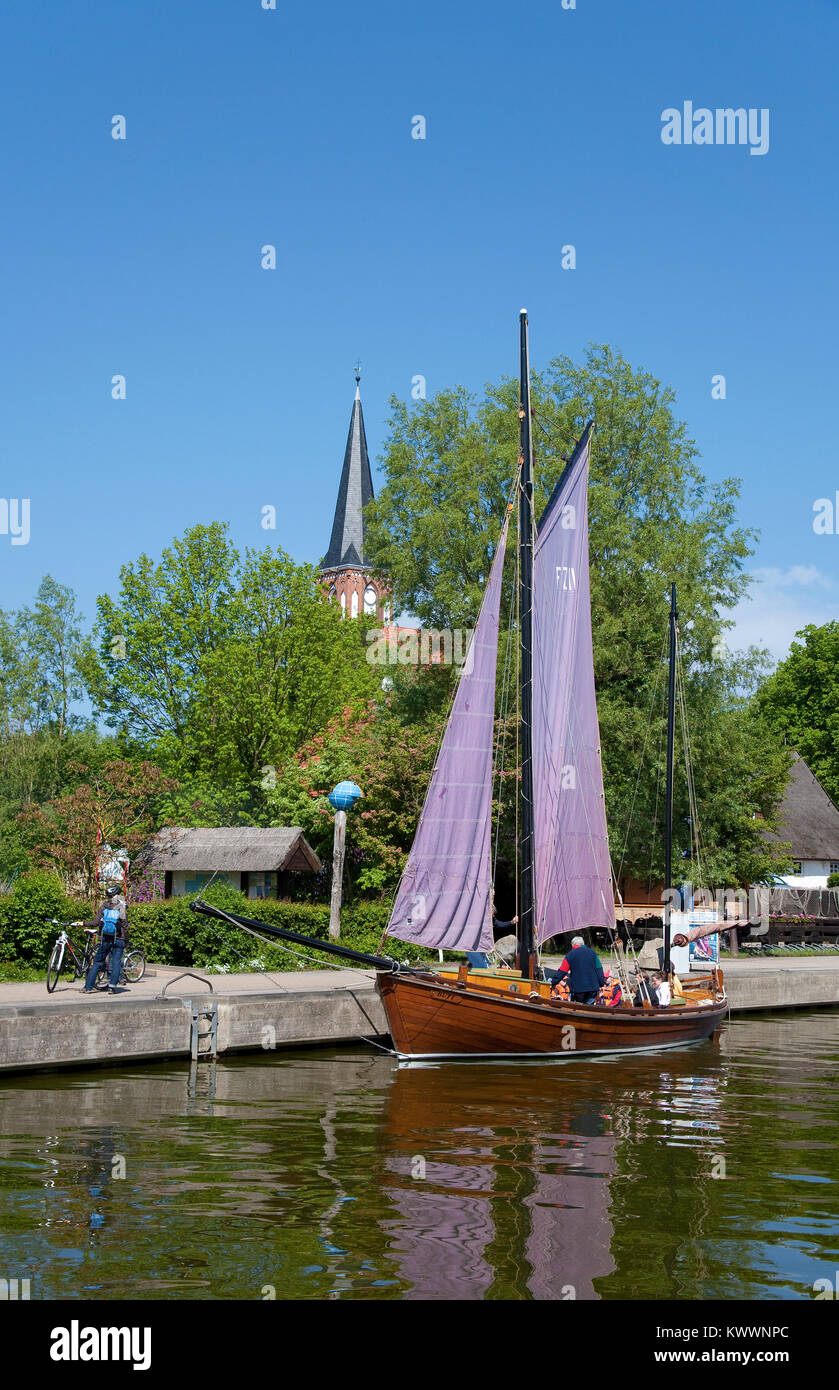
column 357, row 373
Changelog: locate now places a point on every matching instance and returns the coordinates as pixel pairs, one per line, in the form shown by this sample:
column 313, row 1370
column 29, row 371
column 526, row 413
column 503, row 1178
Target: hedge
column 26, row 930
column 170, row 933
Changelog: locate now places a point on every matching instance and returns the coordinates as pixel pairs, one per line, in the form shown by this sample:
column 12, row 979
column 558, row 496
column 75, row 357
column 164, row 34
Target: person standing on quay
column 112, row 924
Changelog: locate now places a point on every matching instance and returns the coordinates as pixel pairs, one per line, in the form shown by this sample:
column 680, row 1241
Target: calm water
column 330, row 1174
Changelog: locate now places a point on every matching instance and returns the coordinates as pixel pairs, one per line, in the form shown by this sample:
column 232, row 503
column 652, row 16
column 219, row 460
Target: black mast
column 526, row 893
column 668, row 810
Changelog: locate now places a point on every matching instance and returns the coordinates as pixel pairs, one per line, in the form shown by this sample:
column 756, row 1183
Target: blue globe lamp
column 344, row 796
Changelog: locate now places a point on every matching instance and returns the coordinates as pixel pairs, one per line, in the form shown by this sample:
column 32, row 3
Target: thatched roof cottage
column 254, row 860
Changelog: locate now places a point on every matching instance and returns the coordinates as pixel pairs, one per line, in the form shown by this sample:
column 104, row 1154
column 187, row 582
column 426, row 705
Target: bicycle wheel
column 54, row 967
column 134, row 966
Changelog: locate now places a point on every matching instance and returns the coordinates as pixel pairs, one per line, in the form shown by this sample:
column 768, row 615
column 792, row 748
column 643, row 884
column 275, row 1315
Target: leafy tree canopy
column 800, row 701
column 222, row 663
column 391, row 762
column 114, row 804
column 654, row 518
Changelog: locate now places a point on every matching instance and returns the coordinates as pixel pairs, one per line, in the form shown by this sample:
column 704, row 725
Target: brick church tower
column 344, row 569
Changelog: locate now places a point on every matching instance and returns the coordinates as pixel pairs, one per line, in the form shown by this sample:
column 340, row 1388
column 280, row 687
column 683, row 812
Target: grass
column 15, row 972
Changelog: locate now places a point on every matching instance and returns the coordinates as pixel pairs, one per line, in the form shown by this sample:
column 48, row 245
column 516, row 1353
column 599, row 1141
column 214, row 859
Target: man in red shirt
column 582, row 966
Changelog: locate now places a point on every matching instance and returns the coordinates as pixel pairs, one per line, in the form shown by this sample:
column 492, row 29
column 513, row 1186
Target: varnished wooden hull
column 430, row 1017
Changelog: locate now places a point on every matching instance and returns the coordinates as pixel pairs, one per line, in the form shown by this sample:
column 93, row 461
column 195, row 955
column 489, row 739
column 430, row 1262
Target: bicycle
column 65, row 955
column 132, row 970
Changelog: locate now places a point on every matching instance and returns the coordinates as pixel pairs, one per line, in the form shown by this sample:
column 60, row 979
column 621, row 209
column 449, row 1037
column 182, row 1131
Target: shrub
column 26, row 930
column 170, row 933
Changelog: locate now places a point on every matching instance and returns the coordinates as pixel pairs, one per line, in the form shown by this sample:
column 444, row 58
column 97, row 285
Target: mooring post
column 341, row 798
column 338, row 848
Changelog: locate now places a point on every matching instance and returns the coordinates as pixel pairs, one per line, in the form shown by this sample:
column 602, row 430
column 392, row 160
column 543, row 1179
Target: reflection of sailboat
column 564, row 879
column 512, row 1197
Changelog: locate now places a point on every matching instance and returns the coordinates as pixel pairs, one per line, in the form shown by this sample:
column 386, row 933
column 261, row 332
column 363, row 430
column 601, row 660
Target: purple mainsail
column 444, row 894
column 573, row 871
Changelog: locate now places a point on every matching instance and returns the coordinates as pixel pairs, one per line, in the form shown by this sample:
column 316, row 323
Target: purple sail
column 444, row 894
column 573, row 871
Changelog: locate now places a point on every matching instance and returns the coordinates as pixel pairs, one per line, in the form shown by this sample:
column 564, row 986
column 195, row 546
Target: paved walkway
column 68, row 993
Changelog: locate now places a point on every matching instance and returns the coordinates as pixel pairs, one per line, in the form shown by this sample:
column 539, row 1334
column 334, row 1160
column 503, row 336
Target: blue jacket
column 586, row 972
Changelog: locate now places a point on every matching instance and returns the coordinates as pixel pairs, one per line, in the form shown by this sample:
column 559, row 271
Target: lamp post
column 342, row 797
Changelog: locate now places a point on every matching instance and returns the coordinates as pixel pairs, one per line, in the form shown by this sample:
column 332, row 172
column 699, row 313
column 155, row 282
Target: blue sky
column 293, row 127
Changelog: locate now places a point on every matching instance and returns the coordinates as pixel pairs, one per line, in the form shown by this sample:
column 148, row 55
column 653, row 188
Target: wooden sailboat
column 444, row 899
column 564, row 873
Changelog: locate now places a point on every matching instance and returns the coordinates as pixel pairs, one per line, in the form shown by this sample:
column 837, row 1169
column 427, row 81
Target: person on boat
column 584, row 970
column 610, row 994
column 561, row 988
column 504, row 948
column 646, row 992
column 662, row 988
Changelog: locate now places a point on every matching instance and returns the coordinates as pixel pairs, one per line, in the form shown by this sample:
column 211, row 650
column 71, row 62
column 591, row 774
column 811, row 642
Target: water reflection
column 710, row 1172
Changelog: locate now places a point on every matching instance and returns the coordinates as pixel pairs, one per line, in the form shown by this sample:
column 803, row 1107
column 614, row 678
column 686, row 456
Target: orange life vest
column 609, row 994
column 561, row 990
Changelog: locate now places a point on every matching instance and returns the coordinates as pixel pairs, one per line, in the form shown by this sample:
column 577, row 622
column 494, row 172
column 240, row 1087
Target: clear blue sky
column 293, row 126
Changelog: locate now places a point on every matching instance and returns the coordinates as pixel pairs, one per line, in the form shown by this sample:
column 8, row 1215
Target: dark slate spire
column 347, row 544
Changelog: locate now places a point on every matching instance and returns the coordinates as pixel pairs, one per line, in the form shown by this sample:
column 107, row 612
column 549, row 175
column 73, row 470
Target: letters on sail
column 572, row 866
column 443, row 898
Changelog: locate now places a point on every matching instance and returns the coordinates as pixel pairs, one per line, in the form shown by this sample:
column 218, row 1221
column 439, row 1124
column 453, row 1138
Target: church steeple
column 345, row 566
column 346, row 546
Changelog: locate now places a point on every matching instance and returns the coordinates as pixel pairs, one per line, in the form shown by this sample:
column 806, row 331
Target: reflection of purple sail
column 573, row 876
column 443, row 897
column 569, row 1245
column 439, row 1235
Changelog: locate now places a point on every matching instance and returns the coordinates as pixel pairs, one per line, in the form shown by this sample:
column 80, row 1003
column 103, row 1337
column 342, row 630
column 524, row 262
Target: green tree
column 169, row 617
column 800, row 701
column 390, row 761
column 42, row 734
column 289, row 663
column 654, row 519
column 222, row 664
column 115, row 805
column 51, row 636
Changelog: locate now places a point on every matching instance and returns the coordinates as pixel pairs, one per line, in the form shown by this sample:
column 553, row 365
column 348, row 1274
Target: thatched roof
column 234, row 849
column 807, row 818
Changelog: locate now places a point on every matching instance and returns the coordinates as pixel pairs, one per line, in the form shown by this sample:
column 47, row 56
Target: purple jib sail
column 573, row 876
column 444, row 895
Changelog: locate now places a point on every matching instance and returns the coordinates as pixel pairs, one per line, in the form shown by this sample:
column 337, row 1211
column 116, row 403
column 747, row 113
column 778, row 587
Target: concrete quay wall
column 770, row 984
column 305, row 1009
column 127, row 1028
